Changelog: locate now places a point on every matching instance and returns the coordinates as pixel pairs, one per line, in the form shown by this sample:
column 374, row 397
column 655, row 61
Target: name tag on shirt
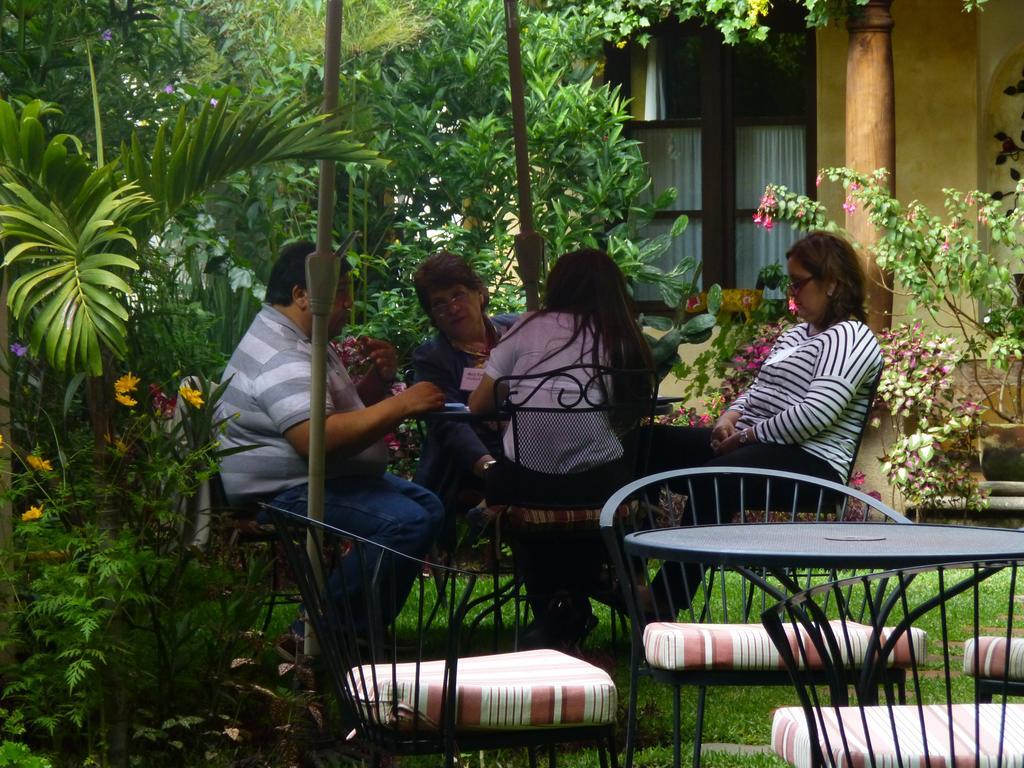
column 471, row 378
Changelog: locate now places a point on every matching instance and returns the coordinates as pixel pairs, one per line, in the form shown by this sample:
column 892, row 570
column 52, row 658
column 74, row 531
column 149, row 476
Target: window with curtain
column 718, row 123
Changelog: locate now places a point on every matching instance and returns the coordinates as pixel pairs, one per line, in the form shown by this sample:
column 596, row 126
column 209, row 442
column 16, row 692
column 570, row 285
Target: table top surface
column 853, row 545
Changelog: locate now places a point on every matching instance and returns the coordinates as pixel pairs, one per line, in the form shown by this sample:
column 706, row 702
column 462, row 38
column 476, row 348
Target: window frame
column 718, row 124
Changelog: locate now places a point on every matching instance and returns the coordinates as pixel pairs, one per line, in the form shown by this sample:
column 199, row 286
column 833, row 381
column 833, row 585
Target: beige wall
column 935, row 65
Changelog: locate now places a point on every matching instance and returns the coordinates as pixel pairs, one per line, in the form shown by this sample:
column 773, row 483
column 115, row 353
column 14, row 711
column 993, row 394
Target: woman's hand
column 737, row 439
column 724, row 429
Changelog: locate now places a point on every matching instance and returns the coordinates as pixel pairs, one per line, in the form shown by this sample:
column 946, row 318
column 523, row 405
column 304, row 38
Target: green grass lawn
column 734, row 715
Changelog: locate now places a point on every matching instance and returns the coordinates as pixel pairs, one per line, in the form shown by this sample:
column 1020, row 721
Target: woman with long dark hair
column 587, row 321
column 587, row 318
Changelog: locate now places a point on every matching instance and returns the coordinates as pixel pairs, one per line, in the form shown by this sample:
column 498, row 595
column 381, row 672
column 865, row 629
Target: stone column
column 871, row 131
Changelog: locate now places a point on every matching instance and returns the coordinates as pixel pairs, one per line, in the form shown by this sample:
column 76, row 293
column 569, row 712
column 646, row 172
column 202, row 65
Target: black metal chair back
column 670, row 595
column 575, row 434
column 872, row 394
column 389, row 628
column 959, row 710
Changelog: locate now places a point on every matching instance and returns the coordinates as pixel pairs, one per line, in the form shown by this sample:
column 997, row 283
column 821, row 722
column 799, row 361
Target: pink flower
column 817, row 180
column 799, row 213
column 757, row 218
column 945, row 246
column 692, row 303
column 767, row 223
column 849, row 206
column 854, row 186
column 791, row 306
column 169, row 88
column 162, row 404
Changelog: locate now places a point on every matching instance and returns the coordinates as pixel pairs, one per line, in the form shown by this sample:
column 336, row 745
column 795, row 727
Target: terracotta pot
column 1002, row 451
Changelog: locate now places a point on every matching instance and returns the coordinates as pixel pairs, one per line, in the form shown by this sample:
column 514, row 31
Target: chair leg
column 532, row 753
column 611, row 748
column 699, row 735
column 551, row 756
column 677, row 754
column 631, row 712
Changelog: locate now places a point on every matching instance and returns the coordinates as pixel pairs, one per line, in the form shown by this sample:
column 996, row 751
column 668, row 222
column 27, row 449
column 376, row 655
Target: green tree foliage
column 137, row 47
column 735, row 19
column 441, row 108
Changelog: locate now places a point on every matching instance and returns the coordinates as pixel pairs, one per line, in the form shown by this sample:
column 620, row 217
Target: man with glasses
column 267, row 397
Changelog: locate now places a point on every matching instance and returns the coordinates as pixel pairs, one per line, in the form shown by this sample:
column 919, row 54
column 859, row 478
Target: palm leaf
column 71, row 296
column 190, row 157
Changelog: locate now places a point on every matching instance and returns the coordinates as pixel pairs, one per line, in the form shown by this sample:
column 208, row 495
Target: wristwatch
column 744, row 437
column 488, row 464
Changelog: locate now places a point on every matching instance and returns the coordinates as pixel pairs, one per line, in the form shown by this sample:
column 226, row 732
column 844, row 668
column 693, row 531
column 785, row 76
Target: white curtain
column 765, row 154
column 673, row 157
column 654, row 88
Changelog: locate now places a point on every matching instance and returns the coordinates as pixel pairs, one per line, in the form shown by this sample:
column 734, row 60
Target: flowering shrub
column 405, row 442
column 936, row 428
column 688, row 416
column 122, row 607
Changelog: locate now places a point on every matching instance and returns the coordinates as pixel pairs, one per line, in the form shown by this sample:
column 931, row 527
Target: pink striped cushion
column 515, row 516
column 530, row 689
column 791, row 738
column 992, row 657
column 672, row 645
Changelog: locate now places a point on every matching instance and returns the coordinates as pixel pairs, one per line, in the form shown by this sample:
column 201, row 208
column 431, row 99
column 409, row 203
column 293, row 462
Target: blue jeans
column 384, row 509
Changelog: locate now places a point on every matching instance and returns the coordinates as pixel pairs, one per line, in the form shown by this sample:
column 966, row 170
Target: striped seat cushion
column 681, row 646
column 992, row 657
column 519, row 517
column 509, row 691
column 791, row 738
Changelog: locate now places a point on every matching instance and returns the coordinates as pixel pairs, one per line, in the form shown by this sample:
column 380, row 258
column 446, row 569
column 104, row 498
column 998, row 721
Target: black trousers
column 690, row 447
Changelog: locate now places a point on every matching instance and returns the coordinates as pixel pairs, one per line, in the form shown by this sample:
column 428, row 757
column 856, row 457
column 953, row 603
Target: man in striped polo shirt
column 267, row 398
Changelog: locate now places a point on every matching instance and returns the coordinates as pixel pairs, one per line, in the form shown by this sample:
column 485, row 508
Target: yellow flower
column 126, row 383
column 1, row 441
column 192, row 396
column 38, row 464
column 620, row 44
column 124, row 399
column 33, row 513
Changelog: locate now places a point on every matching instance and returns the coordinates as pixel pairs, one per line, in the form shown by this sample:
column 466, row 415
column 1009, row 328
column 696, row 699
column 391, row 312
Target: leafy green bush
column 116, row 617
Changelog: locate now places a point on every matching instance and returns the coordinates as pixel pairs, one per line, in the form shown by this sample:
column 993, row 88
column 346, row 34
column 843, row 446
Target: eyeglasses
column 795, row 286
column 444, row 306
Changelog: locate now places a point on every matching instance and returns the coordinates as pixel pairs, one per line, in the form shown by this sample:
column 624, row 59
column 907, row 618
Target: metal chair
column 968, row 610
column 718, row 640
column 575, row 435
column 392, row 649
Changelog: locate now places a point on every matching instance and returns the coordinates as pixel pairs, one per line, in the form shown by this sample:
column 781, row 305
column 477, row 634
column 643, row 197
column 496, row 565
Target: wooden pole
column 871, row 133
column 321, row 285
column 529, row 244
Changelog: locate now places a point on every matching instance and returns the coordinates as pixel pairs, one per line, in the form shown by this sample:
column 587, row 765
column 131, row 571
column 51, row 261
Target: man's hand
column 724, row 429
column 421, row 397
column 382, row 356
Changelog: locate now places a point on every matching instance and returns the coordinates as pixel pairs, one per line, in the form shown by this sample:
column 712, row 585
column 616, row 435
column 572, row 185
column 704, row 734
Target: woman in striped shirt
column 806, row 408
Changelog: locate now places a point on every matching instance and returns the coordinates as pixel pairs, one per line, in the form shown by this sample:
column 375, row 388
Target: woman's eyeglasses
column 795, row 286
column 444, row 306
